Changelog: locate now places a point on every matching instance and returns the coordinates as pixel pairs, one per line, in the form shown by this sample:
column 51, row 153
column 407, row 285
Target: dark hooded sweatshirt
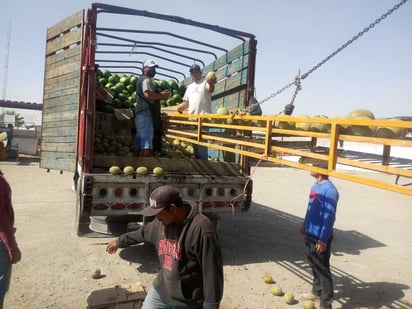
column 191, row 274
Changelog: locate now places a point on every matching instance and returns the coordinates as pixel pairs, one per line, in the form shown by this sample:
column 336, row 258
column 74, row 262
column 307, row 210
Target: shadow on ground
column 268, row 235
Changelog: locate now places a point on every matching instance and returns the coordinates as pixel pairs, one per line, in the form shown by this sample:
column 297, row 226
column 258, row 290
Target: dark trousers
column 322, row 277
column 155, row 109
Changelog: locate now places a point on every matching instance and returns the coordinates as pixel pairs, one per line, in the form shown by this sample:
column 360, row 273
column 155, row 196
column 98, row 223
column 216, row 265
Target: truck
column 77, row 49
column 81, row 45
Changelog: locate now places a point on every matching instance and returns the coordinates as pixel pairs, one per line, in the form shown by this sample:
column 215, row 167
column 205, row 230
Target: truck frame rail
column 275, row 139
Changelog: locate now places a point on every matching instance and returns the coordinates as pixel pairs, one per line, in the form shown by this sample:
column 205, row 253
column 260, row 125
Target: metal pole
column 6, row 61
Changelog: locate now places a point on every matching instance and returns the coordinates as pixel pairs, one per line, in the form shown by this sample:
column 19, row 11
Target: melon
column 361, row 113
column 362, row 130
column 128, row 170
column 267, row 278
column 320, row 127
column 222, row 111
column 289, row 298
column 158, row 171
column 390, row 132
column 115, row 170
column 96, row 273
column 142, row 170
column 277, row 290
column 308, row 304
column 303, row 126
column 211, row 76
column 286, row 125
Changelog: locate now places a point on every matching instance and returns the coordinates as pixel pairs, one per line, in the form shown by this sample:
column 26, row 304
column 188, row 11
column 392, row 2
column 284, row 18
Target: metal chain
column 354, row 38
column 277, row 92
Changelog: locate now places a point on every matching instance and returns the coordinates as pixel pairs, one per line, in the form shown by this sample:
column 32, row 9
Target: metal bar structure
column 276, row 139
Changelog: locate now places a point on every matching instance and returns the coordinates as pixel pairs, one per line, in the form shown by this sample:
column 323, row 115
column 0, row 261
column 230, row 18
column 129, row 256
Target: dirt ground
column 371, row 259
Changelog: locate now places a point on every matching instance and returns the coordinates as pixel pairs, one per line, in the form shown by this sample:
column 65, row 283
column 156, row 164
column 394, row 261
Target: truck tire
column 82, row 221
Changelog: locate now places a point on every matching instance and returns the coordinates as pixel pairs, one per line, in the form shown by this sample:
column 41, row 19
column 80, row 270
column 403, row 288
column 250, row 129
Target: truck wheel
column 81, row 220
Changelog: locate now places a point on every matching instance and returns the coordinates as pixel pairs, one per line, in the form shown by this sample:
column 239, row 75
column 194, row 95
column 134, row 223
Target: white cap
column 149, row 63
column 3, row 136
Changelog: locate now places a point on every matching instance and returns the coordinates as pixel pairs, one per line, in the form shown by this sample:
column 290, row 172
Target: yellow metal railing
column 278, row 139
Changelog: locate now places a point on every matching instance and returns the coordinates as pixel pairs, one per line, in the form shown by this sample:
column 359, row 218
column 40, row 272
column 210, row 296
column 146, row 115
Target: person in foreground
column 191, row 274
column 318, row 231
column 9, row 251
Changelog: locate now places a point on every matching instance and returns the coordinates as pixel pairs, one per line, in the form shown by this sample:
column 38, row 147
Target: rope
column 233, row 200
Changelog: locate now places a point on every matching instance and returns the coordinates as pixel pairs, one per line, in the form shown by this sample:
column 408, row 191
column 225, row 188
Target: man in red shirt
column 9, row 251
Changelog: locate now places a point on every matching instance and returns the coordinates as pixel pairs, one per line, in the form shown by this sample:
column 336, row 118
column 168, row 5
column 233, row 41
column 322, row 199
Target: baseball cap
column 3, row 136
column 150, row 63
column 161, row 198
column 195, row 67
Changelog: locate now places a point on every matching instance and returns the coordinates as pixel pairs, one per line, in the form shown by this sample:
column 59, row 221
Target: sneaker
column 309, row 296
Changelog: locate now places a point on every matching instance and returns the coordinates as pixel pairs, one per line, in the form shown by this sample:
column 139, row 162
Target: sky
column 374, row 72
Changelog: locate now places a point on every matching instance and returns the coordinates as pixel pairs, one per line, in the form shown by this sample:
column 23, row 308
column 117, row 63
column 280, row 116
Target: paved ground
column 371, row 259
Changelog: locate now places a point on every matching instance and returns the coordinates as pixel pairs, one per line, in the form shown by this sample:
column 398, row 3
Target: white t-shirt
column 199, row 98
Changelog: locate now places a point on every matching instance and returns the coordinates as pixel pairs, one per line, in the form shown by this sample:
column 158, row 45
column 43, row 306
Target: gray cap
column 195, row 67
column 160, row 198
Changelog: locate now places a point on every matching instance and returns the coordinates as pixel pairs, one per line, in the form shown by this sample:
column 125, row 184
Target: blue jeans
column 5, row 272
column 144, row 130
column 153, row 301
column 201, row 152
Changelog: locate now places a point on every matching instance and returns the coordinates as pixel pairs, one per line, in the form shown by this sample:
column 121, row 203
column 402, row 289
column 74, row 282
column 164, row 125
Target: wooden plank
column 232, row 101
column 64, row 41
column 64, row 55
column 60, row 122
column 65, row 25
column 66, row 103
column 57, row 94
column 230, row 56
column 62, row 84
column 62, row 118
column 61, row 93
column 231, row 83
column 58, row 79
column 171, row 165
column 58, row 139
column 71, row 67
column 236, row 66
column 60, row 147
column 58, row 161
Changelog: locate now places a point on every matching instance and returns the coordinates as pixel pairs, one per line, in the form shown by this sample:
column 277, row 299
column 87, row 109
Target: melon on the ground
column 289, row 298
column 267, row 278
column 308, row 304
column 277, row 290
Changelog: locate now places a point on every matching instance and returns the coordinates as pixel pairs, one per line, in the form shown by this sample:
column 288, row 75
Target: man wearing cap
column 198, row 100
column 3, row 154
column 9, row 251
column 191, row 274
column 146, row 96
column 318, row 231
